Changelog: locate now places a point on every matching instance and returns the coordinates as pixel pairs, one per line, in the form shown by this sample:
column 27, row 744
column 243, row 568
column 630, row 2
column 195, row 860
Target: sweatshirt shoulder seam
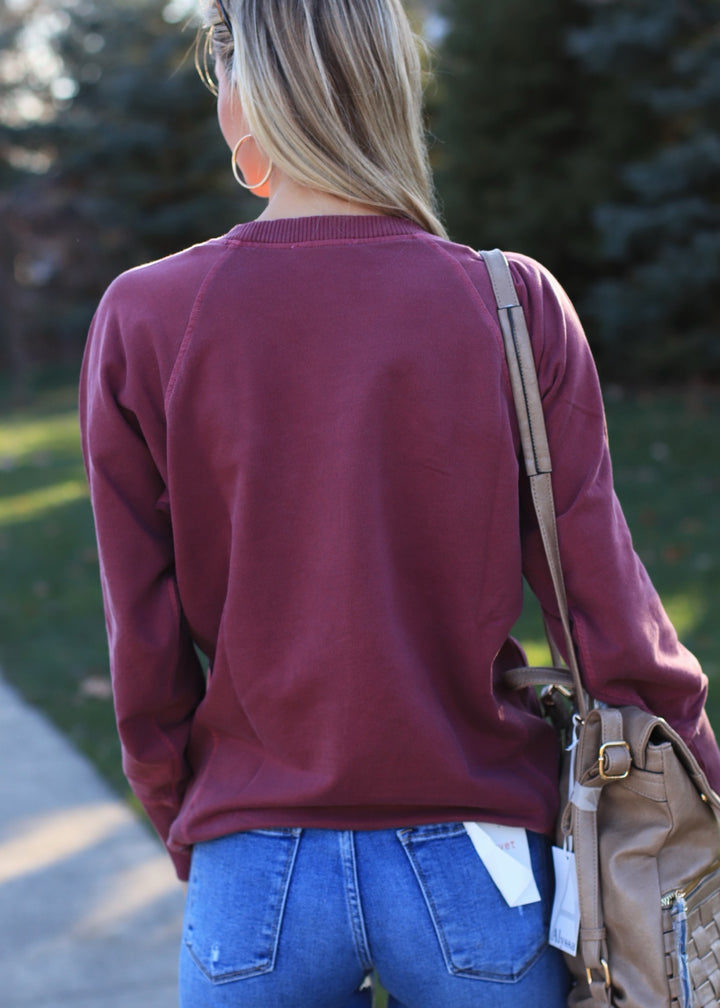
column 190, row 327
column 488, row 311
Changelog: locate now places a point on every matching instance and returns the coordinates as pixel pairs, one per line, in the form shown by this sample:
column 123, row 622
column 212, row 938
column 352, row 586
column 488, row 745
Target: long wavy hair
column 332, row 91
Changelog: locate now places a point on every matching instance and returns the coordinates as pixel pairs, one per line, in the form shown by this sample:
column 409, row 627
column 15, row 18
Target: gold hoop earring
column 236, row 171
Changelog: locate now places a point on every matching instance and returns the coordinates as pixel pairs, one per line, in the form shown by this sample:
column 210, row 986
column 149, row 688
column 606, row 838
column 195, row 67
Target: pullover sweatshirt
column 313, row 528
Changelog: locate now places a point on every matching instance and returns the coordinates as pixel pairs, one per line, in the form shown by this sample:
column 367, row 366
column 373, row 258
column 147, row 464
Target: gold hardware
column 602, row 763
column 668, row 899
column 606, row 974
column 564, row 691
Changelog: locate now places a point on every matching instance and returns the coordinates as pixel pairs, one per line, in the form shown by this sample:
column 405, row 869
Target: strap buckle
column 613, row 766
column 605, row 969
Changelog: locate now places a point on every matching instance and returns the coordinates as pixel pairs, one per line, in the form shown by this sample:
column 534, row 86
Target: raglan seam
column 190, row 328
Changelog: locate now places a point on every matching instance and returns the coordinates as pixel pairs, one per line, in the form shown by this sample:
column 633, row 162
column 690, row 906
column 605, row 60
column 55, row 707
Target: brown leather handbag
column 637, row 809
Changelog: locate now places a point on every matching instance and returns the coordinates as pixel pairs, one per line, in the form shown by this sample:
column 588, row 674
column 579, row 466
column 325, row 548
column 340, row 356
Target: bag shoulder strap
column 534, row 440
column 533, row 435
column 605, row 730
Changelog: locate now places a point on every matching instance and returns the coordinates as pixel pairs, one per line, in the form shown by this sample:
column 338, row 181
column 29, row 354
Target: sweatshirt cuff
column 162, row 815
column 181, row 859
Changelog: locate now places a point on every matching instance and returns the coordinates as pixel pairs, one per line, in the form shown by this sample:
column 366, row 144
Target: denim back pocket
column 480, row 936
column 236, row 898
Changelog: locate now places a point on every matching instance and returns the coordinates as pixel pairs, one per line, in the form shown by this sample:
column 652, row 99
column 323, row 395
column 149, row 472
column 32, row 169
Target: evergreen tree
column 657, row 310
column 518, row 128
column 135, row 169
column 141, row 136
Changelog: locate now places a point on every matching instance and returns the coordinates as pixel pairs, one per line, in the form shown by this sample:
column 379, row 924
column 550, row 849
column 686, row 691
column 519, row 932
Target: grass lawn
column 52, row 636
column 666, row 451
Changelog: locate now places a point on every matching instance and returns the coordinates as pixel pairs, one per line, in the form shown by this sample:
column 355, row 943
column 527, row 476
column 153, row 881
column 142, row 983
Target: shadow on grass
column 52, row 635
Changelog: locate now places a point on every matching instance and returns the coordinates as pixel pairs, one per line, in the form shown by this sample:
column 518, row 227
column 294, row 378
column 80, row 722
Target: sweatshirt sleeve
column 157, row 677
column 628, row 650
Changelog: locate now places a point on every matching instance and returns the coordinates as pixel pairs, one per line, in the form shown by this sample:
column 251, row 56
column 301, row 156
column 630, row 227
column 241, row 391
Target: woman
column 303, row 461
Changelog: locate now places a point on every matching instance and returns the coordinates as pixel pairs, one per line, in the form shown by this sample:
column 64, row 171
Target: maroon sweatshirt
column 303, row 461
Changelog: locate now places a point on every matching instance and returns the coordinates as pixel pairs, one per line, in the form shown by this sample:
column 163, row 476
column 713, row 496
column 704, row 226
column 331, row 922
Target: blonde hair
column 332, row 91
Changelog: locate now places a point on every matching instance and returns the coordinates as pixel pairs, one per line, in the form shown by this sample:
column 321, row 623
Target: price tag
column 565, row 918
column 505, row 853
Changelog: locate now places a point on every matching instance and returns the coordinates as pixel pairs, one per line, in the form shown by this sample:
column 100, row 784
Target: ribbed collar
column 322, row 228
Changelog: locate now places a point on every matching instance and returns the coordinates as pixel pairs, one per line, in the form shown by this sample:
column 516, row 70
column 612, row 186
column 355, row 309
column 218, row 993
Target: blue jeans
column 289, row 918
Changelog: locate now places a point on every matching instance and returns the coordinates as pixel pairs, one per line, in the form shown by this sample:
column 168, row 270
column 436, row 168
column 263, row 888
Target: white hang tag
column 505, row 853
column 565, row 918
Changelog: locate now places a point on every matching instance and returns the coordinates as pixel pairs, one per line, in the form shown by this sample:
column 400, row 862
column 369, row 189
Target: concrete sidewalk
column 90, row 909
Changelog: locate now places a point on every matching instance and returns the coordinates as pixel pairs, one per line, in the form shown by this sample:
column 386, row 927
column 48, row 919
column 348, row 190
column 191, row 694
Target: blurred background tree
column 656, row 310
column 585, row 133
column 512, row 114
column 110, row 156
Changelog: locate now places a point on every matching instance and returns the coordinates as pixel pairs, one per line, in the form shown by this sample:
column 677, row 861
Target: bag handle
column 536, row 451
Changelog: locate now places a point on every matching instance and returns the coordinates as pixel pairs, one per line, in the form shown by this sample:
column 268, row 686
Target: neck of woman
column 288, row 198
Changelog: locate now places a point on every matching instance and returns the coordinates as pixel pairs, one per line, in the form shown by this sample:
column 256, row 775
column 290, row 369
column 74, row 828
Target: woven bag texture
column 702, row 948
